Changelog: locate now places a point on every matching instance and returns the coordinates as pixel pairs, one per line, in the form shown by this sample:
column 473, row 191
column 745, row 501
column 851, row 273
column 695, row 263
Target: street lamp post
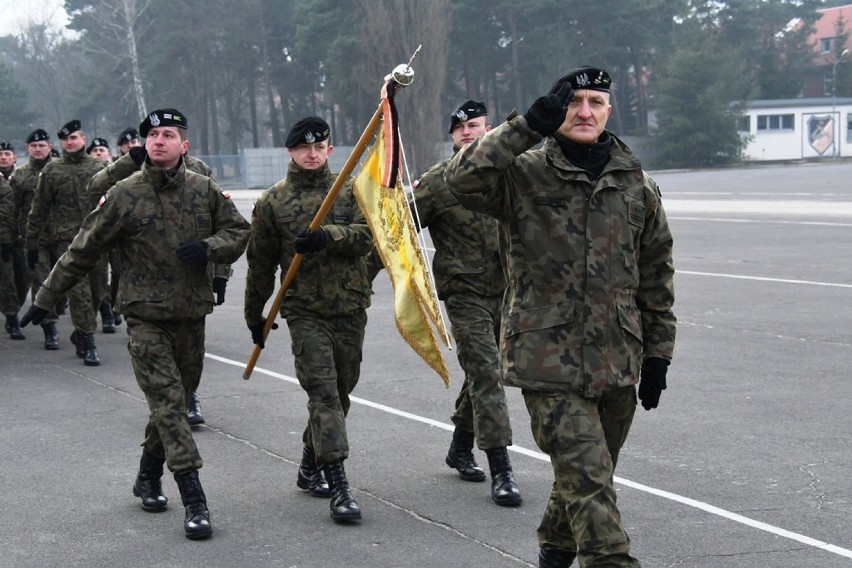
column 834, row 100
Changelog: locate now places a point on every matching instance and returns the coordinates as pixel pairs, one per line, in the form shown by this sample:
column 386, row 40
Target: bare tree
column 44, row 68
column 397, row 28
column 115, row 26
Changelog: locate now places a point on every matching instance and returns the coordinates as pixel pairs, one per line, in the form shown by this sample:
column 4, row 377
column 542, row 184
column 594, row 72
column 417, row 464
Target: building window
column 848, row 127
column 775, row 122
column 744, row 123
column 825, row 44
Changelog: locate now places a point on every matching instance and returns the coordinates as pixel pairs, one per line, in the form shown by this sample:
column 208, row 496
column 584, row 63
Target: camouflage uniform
column 24, row 182
column 146, row 216
column 61, row 200
column 469, row 279
column 121, row 168
column 325, row 307
column 9, row 302
column 590, row 293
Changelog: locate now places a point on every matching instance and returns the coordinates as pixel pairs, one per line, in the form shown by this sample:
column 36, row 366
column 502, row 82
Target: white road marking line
column 764, row 279
column 707, row 508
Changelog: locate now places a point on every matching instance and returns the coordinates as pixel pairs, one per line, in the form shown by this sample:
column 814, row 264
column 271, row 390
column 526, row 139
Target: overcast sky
column 16, row 14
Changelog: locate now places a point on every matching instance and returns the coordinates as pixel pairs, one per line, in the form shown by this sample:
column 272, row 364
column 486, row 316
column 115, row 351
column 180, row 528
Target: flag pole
column 402, row 76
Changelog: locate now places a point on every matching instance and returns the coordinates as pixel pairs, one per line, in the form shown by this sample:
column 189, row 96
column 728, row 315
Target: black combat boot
column 460, row 456
column 86, row 340
column 193, row 410
column 107, row 318
column 51, row 336
column 549, row 557
column 197, row 523
column 78, row 345
column 148, row 484
column 14, row 328
column 309, row 477
column 504, row 490
column 343, row 505
column 116, row 317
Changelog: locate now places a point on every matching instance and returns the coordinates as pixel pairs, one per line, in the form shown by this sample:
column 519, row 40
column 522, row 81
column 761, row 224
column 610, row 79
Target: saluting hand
column 547, row 113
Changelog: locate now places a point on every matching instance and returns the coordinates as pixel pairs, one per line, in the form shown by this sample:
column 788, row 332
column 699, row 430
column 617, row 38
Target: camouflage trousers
column 481, row 405
column 37, row 277
column 327, row 353
column 99, row 281
column 79, row 297
column 14, row 283
column 167, row 359
column 583, row 438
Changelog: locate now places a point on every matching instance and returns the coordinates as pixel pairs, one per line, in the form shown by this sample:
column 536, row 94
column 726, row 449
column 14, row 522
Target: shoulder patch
column 226, row 195
column 102, row 200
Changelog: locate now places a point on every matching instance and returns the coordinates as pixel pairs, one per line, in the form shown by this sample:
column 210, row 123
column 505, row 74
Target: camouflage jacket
column 61, row 198
column 24, row 181
column 467, row 256
column 145, row 217
column 8, row 222
column 589, row 262
column 124, row 166
column 332, row 282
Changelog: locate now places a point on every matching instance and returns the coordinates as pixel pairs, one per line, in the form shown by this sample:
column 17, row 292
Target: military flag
column 381, row 197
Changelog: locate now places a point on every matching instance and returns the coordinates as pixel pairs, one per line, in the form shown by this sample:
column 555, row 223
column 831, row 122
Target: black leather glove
column 32, row 258
column 6, row 250
column 653, row 381
column 306, row 241
column 547, row 113
column 219, row 285
column 257, row 333
column 35, row 315
column 138, row 155
column 192, row 252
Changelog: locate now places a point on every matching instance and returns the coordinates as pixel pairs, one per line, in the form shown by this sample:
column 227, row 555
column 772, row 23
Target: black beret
column 466, row 111
column 38, row 135
column 585, row 77
column 69, row 129
column 309, row 130
column 162, row 117
column 127, row 135
column 97, row 142
column 6, row 146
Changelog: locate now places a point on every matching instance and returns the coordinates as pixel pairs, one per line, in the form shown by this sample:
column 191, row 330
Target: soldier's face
column 39, row 150
column 101, row 152
column 165, row 146
column 469, row 130
column 7, row 159
column 74, row 142
column 311, row 156
column 586, row 118
column 125, row 147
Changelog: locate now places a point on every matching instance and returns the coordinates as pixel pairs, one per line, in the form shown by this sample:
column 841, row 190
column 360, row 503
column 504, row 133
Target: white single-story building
column 795, row 129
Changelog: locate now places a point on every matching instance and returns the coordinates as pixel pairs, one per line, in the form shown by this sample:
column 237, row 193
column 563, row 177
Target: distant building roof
column 825, row 29
column 803, row 102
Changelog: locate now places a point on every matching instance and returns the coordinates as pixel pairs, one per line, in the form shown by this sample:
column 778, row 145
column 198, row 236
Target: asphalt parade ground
column 746, row 463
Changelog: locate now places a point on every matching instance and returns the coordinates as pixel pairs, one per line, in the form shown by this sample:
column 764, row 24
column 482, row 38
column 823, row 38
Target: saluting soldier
column 61, row 201
column 166, row 223
column 588, row 309
column 325, row 307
